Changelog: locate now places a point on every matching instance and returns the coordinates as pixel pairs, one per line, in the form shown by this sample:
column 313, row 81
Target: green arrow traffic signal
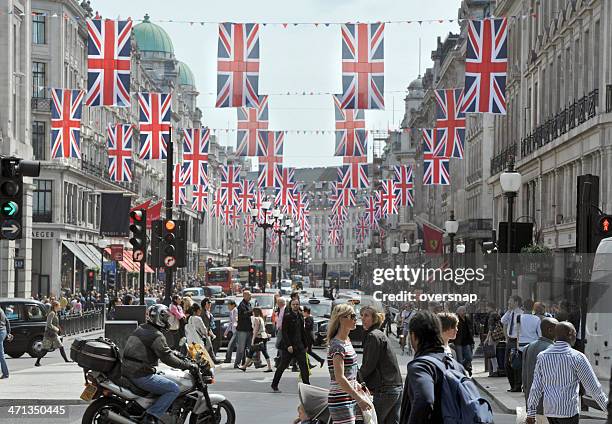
column 9, row 209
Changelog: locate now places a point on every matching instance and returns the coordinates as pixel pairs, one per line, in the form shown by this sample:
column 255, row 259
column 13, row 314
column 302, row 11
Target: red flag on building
column 432, row 238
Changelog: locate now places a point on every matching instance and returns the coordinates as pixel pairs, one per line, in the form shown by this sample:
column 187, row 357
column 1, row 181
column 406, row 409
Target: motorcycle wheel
column 93, row 412
column 223, row 414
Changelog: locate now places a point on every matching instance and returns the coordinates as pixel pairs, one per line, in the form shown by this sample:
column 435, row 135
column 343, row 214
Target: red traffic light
column 252, row 270
column 605, row 225
column 90, row 274
column 170, row 225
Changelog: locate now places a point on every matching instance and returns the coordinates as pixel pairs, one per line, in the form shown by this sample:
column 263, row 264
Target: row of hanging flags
column 108, row 84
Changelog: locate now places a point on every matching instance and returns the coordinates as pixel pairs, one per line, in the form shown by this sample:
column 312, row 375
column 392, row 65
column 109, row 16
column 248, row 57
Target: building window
column 38, row 79
column 42, row 206
column 38, row 28
column 39, row 136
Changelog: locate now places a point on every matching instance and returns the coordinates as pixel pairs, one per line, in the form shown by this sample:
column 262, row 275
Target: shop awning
column 80, row 254
column 128, row 264
column 92, row 252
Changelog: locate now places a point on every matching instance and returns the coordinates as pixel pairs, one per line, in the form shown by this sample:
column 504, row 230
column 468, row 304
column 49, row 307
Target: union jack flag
column 389, row 197
column 245, row 195
column 218, row 203
column 404, row 184
column 270, row 153
column 199, row 196
column 351, row 136
column 286, row 186
column 363, row 66
column 319, row 243
column 372, row 212
column 258, row 199
column 249, row 228
column 251, row 120
column 230, row 183
column 119, row 145
column 238, row 65
column 450, row 122
column 229, row 215
column 436, row 168
column 109, row 51
column 66, row 113
column 355, row 175
column 486, row 66
column 362, row 229
column 195, row 154
column 179, row 185
column 154, row 124
column 345, row 195
column 334, row 236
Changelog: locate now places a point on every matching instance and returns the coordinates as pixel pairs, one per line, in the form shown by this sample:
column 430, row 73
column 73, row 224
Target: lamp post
column 452, row 226
column 282, row 229
column 290, row 235
column 510, row 182
column 103, row 244
column 265, row 207
column 405, row 248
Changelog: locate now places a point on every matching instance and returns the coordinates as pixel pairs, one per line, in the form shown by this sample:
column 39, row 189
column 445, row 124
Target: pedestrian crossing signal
column 605, row 226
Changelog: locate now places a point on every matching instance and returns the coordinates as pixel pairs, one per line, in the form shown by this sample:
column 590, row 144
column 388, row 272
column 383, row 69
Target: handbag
column 489, row 350
column 257, row 347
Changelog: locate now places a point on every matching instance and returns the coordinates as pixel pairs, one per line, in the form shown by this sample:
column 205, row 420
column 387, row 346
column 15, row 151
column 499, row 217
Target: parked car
column 28, row 320
column 193, row 291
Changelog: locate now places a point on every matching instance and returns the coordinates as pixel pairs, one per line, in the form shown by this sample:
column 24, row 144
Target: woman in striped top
column 346, row 398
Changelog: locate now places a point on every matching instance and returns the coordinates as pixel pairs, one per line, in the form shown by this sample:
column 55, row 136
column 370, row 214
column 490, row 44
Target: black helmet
column 159, row 316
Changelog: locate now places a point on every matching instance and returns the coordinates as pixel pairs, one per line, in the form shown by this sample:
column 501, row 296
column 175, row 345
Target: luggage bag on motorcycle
column 94, row 354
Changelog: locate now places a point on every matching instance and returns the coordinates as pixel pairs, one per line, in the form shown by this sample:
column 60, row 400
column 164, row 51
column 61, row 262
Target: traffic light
column 252, row 275
column 91, row 279
column 12, row 171
column 139, row 234
column 169, row 243
column 604, row 226
column 168, row 249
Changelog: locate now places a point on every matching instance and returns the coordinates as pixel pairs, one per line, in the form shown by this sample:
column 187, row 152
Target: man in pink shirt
column 280, row 303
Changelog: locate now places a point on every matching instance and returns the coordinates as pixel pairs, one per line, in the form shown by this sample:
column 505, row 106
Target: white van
column 599, row 317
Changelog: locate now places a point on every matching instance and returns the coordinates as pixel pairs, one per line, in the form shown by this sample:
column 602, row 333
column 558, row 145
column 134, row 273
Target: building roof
column 185, row 76
column 152, row 38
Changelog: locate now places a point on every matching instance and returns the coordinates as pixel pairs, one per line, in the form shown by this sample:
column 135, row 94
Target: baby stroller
column 314, row 402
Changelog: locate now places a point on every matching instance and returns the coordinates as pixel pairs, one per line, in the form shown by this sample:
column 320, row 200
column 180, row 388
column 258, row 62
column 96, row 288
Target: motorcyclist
column 145, row 347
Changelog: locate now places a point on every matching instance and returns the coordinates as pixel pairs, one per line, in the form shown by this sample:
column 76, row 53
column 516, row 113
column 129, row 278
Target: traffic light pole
column 169, row 174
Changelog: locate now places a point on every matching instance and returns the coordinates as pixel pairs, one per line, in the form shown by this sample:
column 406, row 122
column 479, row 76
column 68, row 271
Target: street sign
column 9, row 209
column 116, row 252
column 10, row 229
column 169, row 261
column 138, row 255
column 19, row 263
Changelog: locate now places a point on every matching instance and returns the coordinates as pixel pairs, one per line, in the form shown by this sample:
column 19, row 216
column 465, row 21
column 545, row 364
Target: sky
column 298, row 58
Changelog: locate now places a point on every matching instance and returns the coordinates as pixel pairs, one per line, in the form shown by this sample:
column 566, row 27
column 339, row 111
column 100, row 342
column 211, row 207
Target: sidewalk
column 53, row 384
column 496, row 389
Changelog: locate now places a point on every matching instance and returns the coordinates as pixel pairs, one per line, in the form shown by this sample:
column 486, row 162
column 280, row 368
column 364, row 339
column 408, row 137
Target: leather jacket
column 379, row 368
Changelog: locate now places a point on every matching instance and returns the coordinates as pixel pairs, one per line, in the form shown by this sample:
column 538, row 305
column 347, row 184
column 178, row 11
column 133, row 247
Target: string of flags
column 238, row 66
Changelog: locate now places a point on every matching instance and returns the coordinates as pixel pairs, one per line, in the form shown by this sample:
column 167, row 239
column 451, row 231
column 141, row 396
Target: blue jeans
column 464, row 356
column 158, row 385
column 387, row 402
column 5, row 371
column 231, row 346
column 243, row 339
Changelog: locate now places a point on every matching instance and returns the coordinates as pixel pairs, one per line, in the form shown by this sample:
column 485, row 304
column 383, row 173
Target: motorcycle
column 117, row 400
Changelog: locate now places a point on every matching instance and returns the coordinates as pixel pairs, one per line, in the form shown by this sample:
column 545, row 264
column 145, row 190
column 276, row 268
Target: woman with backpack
column 432, row 377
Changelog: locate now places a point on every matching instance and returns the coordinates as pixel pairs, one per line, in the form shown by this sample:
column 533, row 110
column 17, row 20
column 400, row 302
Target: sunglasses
column 351, row 316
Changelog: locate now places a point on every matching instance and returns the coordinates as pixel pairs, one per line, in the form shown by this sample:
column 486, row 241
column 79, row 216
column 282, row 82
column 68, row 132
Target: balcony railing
column 42, row 216
column 499, row 162
column 41, row 104
column 570, row 117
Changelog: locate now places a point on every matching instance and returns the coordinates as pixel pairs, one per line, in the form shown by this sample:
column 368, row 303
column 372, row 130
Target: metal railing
column 41, row 104
column 499, row 162
column 573, row 115
column 82, row 323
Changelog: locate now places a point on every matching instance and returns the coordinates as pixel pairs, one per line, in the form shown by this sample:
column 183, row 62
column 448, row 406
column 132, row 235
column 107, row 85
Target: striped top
column 558, row 372
column 338, row 347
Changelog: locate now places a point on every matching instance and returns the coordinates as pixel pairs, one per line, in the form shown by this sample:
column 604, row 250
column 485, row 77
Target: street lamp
column 405, row 248
column 460, row 247
column 265, row 224
column 282, row 229
column 510, row 182
column 451, row 226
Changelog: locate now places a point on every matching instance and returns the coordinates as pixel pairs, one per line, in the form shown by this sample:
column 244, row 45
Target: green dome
column 152, row 38
column 185, row 76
